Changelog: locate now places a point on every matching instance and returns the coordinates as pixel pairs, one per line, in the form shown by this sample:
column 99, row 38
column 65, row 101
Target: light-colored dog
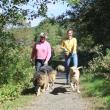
column 74, row 78
column 60, row 68
column 52, row 76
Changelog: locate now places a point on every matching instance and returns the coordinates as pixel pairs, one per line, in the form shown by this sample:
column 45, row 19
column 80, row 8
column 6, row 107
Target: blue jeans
column 70, row 58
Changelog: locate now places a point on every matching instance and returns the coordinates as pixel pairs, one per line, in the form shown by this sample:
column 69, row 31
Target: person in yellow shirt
column 69, row 45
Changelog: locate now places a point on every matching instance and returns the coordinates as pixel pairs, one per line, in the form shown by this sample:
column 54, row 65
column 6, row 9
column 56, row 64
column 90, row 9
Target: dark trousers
column 38, row 64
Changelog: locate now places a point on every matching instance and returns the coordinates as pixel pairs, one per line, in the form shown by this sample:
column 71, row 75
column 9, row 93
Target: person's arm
column 48, row 54
column 33, row 52
column 65, row 50
column 74, row 50
column 63, row 45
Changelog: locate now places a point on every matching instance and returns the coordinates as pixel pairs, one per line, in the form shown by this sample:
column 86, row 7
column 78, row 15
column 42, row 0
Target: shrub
column 100, row 65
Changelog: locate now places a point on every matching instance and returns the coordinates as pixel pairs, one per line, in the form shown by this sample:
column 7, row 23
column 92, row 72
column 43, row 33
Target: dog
column 60, row 68
column 74, row 78
column 52, row 77
column 41, row 83
column 51, row 74
column 44, row 79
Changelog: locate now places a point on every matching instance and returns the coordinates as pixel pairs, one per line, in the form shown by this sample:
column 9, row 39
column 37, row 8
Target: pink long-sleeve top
column 41, row 51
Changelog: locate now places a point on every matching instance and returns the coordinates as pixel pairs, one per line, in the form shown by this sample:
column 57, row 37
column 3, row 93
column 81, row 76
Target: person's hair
column 70, row 30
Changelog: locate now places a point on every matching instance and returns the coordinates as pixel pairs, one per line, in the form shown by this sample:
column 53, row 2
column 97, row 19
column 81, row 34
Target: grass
column 94, row 90
column 19, row 102
column 26, row 96
column 108, row 102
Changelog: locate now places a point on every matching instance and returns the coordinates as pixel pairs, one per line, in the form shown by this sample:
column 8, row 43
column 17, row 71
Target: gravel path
column 61, row 98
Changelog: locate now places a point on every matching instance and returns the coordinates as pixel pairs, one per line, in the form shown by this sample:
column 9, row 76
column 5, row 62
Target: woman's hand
column 45, row 63
column 32, row 61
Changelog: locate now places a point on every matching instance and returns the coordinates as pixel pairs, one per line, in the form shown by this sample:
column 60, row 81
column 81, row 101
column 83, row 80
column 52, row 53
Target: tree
column 94, row 18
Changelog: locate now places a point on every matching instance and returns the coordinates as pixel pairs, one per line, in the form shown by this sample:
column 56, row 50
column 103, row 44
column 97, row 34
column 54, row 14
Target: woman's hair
column 70, row 30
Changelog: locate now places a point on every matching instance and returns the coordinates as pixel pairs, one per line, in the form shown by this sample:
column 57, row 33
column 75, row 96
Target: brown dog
column 74, row 78
column 51, row 74
column 41, row 83
column 44, row 79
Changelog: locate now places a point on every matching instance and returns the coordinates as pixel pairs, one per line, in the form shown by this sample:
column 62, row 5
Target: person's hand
column 31, row 61
column 72, row 54
column 45, row 63
column 66, row 52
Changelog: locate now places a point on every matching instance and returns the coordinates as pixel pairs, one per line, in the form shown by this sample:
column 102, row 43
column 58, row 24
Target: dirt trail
column 61, row 98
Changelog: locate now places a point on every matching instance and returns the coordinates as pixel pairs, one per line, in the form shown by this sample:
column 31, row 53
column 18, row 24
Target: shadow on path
column 60, row 78
column 59, row 90
column 28, row 91
column 60, row 83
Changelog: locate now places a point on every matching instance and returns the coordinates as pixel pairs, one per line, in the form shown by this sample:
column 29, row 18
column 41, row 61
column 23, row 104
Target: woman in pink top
column 41, row 52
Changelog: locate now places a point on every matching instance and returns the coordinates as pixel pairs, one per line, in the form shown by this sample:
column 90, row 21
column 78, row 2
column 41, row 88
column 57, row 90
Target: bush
column 15, row 68
column 100, row 65
column 9, row 92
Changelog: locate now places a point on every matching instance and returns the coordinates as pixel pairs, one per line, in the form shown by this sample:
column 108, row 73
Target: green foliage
column 85, row 43
column 14, row 104
column 9, row 92
column 108, row 102
column 98, row 89
column 95, row 87
column 15, row 68
column 7, row 43
column 13, row 12
column 100, row 64
column 43, row 9
column 14, row 60
column 55, row 32
column 106, row 86
column 18, row 66
column 94, row 16
column 26, row 35
column 91, row 19
column 97, row 76
column 22, row 70
column 72, row 2
column 10, row 12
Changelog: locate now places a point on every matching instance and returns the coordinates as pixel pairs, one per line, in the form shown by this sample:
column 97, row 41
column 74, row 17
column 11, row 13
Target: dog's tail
column 80, row 67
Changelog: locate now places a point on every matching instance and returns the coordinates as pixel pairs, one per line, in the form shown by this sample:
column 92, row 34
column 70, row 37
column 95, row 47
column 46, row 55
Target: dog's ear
column 71, row 69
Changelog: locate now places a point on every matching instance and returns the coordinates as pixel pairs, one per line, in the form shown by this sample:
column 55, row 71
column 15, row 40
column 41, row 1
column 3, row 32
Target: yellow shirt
column 69, row 45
